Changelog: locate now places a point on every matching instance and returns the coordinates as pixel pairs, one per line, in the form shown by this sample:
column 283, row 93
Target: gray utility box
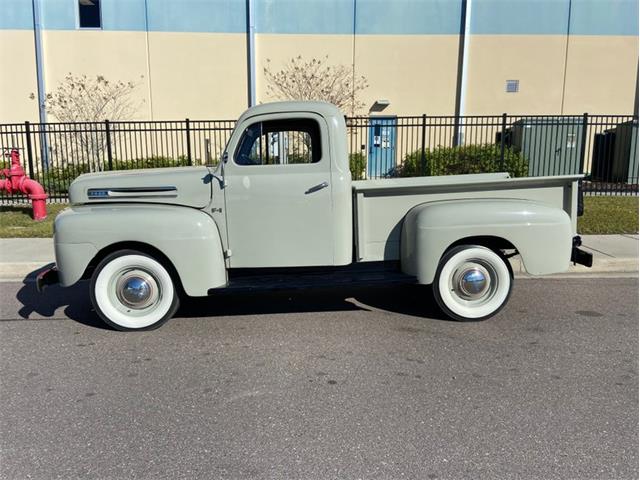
column 551, row 145
column 615, row 154
column 625, row 154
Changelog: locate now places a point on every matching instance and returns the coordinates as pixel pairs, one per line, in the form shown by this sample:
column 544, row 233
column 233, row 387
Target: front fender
column 188, row 237
column 541, row 234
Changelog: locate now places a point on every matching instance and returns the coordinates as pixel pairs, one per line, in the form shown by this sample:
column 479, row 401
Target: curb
column 19, row 272
column 23, row 271
column 600, row 265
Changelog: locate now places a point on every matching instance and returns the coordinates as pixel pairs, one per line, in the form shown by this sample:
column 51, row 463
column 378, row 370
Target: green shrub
column 461, row 160
column 357, row 165
column 298, row 158
column 150, row 162
column 58, row 179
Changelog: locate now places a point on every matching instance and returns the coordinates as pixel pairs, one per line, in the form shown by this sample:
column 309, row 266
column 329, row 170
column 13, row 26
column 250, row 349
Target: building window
column 280, row 142
column 89, row 14
column 513, row 86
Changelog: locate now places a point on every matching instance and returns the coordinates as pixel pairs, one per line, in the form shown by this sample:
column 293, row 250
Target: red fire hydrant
column 16, row 181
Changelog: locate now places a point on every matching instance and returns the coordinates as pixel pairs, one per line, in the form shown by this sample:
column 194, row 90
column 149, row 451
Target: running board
column 308, row 280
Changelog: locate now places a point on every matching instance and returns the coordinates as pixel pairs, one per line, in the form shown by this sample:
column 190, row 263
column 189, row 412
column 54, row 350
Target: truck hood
column 188, row 186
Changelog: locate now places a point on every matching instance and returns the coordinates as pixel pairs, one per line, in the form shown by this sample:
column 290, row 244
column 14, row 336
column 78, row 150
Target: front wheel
column 133, row 291
column 472, row 282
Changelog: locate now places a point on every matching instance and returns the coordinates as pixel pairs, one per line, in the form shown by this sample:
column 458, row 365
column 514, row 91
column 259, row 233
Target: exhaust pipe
column 580, row 256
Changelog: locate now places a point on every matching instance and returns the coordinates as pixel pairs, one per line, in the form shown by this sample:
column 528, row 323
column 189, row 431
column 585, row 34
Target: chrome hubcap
column 137, row 290
column 472, row 282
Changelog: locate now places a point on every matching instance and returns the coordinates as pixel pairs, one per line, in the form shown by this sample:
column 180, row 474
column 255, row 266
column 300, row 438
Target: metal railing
column 604, row 147
column 56, row 153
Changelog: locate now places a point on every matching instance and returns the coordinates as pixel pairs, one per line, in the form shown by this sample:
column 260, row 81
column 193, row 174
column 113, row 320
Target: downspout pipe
column 635, row 103
column 148, row 52
column 42, row 112
column 463, row 66
column 251, row 52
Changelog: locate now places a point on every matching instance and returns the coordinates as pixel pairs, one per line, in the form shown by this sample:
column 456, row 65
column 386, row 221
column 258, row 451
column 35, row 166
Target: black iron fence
column 604, row 147
column 56, row 153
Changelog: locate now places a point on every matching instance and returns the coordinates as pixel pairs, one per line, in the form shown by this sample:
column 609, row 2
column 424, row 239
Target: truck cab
column 280, row 210
column 287, row 188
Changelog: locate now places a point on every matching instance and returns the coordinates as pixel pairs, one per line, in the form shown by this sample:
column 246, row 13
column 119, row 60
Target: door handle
column 315, row 188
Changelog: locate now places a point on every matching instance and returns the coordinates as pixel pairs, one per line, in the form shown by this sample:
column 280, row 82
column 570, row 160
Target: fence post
column 109, row 154
column 583, row 141
column 27, row 128
column 502, row 134
column 423, row 158
column 188, row 142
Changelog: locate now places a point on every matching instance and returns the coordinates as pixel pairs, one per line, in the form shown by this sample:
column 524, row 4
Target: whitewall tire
column 133, row 291
column 472, row 282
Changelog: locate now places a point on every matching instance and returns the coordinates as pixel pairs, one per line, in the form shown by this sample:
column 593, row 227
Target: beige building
column 204, row 59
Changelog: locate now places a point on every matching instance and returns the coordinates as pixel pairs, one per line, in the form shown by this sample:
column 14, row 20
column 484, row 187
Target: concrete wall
column 601, row 75
column 569, row 56
column 18, row 78
column 189, row 57
column 536, row 61
column 198, row 75
column 116, row 55
column 420, row 79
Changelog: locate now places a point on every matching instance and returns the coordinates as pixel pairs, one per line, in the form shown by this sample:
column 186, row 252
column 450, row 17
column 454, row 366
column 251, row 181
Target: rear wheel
column 472, row 282
column 132, row 291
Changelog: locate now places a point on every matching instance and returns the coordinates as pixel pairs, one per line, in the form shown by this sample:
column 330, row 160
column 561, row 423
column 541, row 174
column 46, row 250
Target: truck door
column 382, row 146
column 278, row 193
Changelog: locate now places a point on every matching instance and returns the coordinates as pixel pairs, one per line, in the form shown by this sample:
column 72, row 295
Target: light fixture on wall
column 379, row 105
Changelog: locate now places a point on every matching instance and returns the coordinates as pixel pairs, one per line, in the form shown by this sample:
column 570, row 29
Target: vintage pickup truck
column 280, row 210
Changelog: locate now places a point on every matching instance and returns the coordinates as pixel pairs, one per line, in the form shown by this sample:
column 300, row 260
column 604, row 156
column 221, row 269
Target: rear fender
column 187, row 237
column 541, row 234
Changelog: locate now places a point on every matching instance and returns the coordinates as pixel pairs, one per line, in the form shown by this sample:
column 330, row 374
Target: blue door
column 382, row 146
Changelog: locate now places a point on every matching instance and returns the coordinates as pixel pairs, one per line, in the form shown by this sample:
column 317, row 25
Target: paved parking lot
column 361, row 384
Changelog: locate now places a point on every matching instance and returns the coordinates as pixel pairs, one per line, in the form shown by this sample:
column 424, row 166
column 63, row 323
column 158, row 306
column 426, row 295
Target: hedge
column 460, row 160
column 357, row 165
column 58, row 179
column 441, row 161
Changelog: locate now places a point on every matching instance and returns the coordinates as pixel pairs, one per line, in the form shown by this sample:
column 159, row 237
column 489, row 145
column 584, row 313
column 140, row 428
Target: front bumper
column 48, row 276
column 580, row 256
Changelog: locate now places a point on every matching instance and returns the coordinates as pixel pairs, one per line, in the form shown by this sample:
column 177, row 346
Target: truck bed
column 381, row 205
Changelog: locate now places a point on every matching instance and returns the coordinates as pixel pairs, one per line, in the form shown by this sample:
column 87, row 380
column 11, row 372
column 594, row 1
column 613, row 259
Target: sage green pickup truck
column 280, row 210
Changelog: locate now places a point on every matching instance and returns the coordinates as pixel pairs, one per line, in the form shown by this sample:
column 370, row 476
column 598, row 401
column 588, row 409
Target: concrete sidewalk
column 611, row 254
column 21, row 256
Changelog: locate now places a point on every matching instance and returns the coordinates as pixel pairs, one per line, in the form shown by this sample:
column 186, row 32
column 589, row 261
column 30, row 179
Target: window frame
column 316, row 143
column 78, row 24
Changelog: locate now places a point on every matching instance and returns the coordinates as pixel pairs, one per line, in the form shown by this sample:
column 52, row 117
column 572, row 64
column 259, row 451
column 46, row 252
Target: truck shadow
column 413, row 300
column 73, row 300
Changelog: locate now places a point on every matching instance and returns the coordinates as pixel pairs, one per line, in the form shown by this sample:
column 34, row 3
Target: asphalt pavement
column 328, row 384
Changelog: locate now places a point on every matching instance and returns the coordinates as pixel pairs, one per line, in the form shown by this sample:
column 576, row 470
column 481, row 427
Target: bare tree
column 91, row 99
column 316, row 79
column 79, row 98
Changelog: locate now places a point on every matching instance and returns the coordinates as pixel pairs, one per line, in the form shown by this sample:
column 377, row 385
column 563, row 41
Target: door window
column 280, row 142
